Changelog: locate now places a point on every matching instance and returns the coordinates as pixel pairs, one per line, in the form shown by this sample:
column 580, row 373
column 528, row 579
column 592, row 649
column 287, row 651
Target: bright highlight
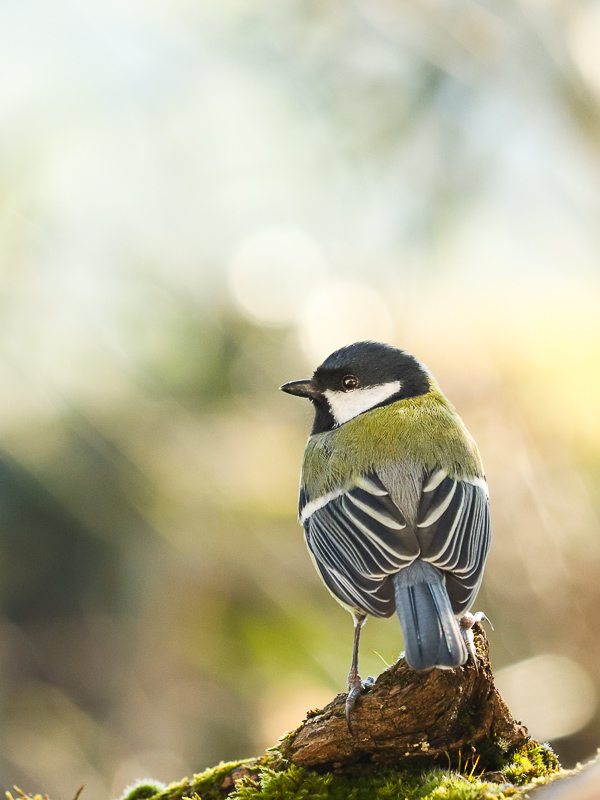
column 340, row 313
column 553, row 695
column 273, row 273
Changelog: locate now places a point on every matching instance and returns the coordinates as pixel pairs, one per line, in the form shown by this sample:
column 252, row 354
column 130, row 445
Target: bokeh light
column 583, row 40
column 553, row 693
column 274, row 272
column 340, row 312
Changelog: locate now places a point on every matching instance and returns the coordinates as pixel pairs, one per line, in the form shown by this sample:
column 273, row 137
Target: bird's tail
column 430, row 630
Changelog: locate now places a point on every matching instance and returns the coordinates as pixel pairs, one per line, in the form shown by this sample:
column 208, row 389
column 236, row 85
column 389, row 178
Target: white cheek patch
column 347, row 405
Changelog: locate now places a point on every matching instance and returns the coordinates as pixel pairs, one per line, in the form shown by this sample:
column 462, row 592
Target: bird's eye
column 350, row 382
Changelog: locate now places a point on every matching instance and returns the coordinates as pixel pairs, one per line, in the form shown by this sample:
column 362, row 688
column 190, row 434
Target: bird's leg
column 465, row 624
column 355, row 684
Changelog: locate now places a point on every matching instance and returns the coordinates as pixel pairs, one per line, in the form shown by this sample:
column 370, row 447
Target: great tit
column 394, row 502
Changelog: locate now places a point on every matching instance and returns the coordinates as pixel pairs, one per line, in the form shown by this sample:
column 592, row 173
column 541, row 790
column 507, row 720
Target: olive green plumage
column 423, row 430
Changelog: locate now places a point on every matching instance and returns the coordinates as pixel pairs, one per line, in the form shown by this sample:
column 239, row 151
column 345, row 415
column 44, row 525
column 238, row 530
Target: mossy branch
column 442, row 735
column 446, row 735
column 441, row 717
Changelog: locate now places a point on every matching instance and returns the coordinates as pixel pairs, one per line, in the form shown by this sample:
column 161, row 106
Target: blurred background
column 198, row 202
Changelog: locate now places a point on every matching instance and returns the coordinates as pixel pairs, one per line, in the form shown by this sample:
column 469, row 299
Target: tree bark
column 441, row 716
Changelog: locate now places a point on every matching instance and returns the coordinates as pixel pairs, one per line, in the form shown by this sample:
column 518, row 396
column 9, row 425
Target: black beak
column 300, row 388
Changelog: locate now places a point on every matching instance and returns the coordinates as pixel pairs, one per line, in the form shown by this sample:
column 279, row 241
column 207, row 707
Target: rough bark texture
column 407, row 717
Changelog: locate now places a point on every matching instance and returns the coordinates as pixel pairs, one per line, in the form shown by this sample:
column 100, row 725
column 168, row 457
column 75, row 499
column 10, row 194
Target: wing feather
column 358, row 539
column 458, row 539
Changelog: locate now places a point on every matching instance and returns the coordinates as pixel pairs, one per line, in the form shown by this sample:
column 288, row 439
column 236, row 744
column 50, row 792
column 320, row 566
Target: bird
column 394, row 503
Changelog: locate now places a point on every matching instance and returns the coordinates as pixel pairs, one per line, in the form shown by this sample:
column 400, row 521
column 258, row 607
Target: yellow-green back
column 421, row 430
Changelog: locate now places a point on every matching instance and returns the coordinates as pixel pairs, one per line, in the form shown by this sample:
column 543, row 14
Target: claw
column 356, row 687
column 353, row 695
column 466, row 623
column 479, row 616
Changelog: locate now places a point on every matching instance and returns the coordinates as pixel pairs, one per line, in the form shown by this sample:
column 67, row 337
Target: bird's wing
column 454, row 532
column 358, row 538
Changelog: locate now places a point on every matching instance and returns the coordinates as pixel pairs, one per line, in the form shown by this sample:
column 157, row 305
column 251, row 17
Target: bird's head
column 357, row 378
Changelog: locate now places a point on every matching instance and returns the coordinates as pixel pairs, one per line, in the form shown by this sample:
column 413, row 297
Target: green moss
column 295, row 783
column 212, row 784
column 270, row 778
column 142, row 790
column 533, row 760
column 493, row 753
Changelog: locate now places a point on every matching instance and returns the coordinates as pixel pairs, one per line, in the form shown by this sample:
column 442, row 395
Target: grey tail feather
column 430, row 630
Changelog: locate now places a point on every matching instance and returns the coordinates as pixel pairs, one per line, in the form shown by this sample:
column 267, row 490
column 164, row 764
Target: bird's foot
column 465, row 624
column 356, row 686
